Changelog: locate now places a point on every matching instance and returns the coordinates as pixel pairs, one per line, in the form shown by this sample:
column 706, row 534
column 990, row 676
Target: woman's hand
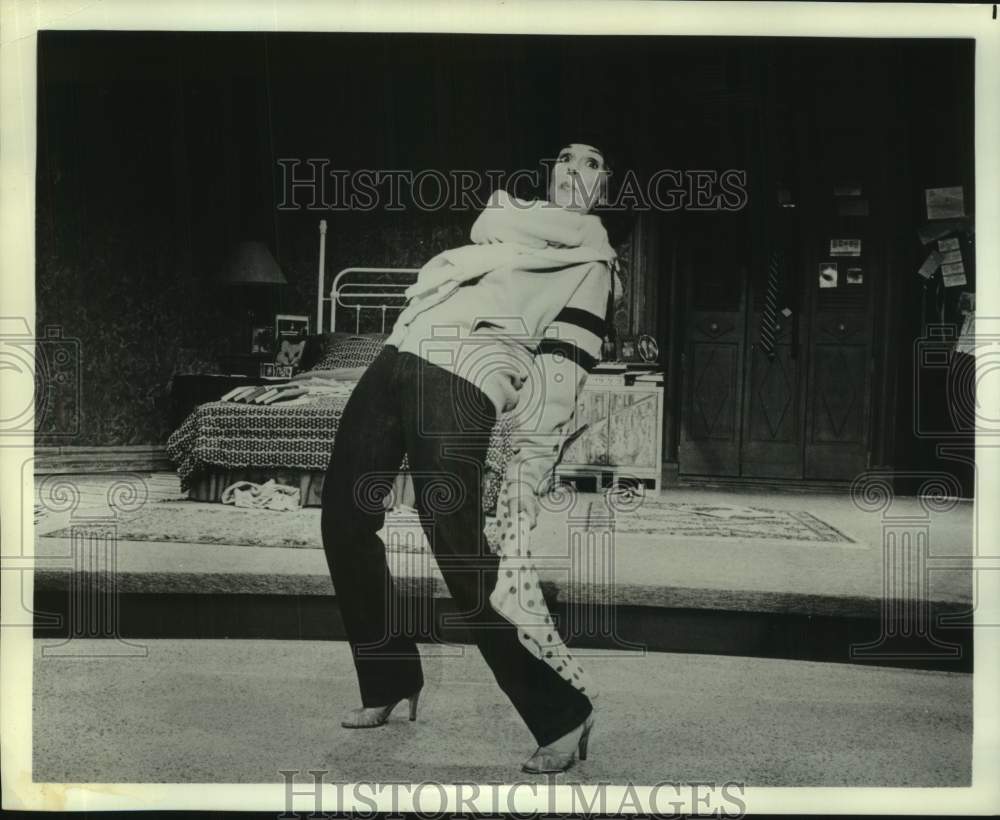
column 521, row 497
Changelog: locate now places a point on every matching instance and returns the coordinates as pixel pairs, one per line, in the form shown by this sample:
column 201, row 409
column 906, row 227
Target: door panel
column 772, row 445
column 839, row 404
column 714, row 371
column 713, row 367
column 772, row 413
column 838, row 397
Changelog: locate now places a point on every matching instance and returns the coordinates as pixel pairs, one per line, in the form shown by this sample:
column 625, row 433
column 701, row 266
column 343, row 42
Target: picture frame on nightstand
column 647, row 348
column 272, row 370
column 627, row 351
column 290, row 334
column 262, row 339
column 639, row 349
column 287, row 326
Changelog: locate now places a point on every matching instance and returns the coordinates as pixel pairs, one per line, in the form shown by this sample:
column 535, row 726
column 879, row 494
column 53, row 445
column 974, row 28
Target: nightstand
column 189, row 390
column 247, row 364
column 624, row 436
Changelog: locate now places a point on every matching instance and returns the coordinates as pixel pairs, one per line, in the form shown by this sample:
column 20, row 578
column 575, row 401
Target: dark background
column 156, row 154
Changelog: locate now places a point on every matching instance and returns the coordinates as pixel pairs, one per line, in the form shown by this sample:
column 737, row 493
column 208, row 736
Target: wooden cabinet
column 624, row 435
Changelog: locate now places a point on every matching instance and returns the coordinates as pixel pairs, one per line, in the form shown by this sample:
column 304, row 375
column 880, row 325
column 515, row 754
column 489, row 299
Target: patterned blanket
column 297, row 435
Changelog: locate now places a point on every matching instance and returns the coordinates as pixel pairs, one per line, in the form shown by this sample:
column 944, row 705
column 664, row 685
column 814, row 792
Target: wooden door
column 771, row 446
column 801, row 409
column 712, row 361
column 840, row 348
column 846, row 229
column 772, row 412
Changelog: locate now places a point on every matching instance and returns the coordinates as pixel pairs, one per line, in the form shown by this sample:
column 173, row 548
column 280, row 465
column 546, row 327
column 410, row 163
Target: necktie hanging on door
column 769, row 315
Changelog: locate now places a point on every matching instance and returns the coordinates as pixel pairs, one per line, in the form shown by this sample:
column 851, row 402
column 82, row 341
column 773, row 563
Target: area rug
column 654, row 516
column 195, row 522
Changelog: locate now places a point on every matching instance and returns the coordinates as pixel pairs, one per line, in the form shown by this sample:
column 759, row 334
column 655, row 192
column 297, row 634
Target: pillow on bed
column 333, row 350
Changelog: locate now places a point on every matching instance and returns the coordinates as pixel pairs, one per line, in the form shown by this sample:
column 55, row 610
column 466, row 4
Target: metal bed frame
column 350, row 289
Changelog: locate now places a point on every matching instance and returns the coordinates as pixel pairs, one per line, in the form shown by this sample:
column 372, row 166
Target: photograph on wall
column 855, row 276
column 828, row 275
column 930, row 264
column 953, row 274
column 845, row 247
column 945, row 203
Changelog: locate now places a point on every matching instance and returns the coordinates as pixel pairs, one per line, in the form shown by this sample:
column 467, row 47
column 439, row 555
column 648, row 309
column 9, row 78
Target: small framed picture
column 288, row 326
column 266, row 370
column 828, row 275
column 647, row 347
column 283, row 371
column 629, row 351
column 290, row 350
column 290, row 333
column 262, row 339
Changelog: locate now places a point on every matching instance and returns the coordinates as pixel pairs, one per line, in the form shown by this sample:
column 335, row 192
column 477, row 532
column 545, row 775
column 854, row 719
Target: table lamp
column 251, row 270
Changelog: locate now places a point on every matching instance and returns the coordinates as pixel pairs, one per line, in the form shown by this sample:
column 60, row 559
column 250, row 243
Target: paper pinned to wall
column 967, row 335
column 935, row 230
column 953, row 275
column 845, row 247
column 954, row 280
column 948, row 244
column 931, row 264
column 951, row 257
column 945, row 203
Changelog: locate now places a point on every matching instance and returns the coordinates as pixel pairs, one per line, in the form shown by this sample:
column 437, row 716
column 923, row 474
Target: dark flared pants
column 443, row 423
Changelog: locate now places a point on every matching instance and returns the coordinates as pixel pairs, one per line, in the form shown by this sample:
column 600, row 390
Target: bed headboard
column 359, row 289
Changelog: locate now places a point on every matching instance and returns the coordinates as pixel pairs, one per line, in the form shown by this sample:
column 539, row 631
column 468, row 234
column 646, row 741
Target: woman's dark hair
column 617, row 220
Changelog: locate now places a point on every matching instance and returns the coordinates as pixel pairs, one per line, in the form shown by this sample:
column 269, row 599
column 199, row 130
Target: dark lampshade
column 251, row 263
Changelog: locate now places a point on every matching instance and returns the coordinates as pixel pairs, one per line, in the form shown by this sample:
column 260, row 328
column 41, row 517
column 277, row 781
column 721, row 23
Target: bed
column 223, row 442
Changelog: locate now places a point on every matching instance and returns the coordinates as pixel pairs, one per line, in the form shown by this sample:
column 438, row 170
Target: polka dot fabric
column 518, row 598
column 353, row 351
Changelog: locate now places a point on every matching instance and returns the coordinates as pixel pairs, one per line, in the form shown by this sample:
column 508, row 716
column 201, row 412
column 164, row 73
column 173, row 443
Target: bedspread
column 288, row 435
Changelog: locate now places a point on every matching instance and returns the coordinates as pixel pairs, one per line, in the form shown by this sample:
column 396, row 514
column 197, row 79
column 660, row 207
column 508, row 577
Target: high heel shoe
column 368, row 717
column 550, row 759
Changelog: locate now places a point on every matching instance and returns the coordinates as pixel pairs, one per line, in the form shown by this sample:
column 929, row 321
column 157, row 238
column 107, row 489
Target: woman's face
column 579, row 177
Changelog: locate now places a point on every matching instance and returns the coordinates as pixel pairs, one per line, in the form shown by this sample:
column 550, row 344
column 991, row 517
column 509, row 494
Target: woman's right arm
column 532, row 224
column 557, row 376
